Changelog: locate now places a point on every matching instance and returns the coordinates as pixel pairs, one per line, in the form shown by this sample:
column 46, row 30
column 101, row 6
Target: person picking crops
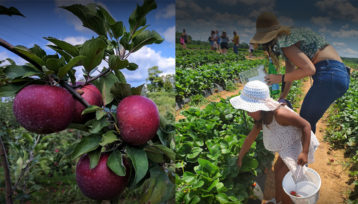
column 312, row 55
column 284, row 131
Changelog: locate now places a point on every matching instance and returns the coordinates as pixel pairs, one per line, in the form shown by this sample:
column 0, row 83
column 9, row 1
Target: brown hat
column 267, row 28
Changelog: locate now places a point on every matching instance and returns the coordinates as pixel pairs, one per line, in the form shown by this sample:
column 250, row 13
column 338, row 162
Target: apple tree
column 126, row 146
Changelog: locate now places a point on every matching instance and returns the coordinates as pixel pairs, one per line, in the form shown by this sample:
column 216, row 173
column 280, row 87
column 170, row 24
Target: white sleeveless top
column 277, row 137
column 286, row 140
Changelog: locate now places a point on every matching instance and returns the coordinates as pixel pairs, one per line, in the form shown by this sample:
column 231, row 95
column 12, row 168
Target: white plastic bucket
column 307, row 190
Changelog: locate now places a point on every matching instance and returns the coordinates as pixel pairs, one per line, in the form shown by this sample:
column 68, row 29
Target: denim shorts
column 330, row 82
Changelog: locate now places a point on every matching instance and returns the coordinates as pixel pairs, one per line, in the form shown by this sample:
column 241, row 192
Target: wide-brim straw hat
column 267, row 28
column 255, row 97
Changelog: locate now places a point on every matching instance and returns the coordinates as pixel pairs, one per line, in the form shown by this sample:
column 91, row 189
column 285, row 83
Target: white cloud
column 343, row 33
column 75, row 40
column 286, row 21
column 339, row 44
column 339, row 8
column 167, row 12
column 169, row 34
column 321, row 21
column 17, row 60
column 147, row 58
column 348, row 52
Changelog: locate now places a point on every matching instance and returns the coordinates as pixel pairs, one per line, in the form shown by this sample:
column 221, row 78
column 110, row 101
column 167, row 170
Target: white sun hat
column 254, row 97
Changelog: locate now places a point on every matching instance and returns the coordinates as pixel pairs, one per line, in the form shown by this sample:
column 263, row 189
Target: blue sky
column 336, row 20
column 44, row 18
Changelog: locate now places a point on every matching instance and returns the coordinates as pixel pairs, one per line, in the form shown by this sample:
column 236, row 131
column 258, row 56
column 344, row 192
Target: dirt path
column 333, row 173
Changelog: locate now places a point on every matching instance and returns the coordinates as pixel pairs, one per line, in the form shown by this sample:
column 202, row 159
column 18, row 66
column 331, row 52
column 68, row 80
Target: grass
column 165, row 102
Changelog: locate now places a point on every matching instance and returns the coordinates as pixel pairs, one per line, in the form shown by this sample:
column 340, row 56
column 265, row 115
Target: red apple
column 100, row 183
column 93, row 96
column 44, row 109
column 138, row 119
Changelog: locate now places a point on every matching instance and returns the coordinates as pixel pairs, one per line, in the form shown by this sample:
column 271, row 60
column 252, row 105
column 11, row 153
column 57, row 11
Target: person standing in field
column 212, row 40
column 183, row 39
column 251, row 49
column 312, row 55
column 236, row 41
column 218, row 41
column 224, row 45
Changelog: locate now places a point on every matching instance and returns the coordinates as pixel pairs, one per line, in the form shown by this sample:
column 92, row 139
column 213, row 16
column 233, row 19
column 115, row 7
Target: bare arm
column 289, row 68
column 286, row 117
column 251, row 137
column 304, row 65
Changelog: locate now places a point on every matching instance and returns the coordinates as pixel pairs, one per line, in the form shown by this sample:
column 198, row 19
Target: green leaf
column 86, row 145
column 93, row 50
column 117, row 29
column 10, row 11
column 125, row 41
column 11, row 89
column 65, row 46
column 100, row 114
column 115, row 62
column 120, row 76
column 94, row 157
column 137, row 18
column 61, row 52
column 54, row 63
column 73, row 62
column 137, row 90
column 115, row 163
column 105, row 84
column 91, row 109
column 108, row 138
column 139, row 31
column 121, row 90
column 222, row 198
column 107, row 16
column 155, row 157
column 30, row 55
column 89, row 17
column 16, row 71
column 140, row 162
column 248, row 164
column 97, row 125
column 195, row 152
column 38, row 51
column 132, row 66
column 157, row 148
column 163, row 189
column 145, row 38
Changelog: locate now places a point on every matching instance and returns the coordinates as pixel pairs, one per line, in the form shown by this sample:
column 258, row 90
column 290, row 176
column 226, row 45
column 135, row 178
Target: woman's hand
column 273, row 78
column 302, row 158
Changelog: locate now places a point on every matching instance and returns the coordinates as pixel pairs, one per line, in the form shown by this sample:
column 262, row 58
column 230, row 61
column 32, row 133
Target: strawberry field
column 208, row 139
column 342, row 132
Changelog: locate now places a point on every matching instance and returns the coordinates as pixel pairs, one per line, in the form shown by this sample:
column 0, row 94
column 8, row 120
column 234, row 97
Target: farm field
column 214, row 132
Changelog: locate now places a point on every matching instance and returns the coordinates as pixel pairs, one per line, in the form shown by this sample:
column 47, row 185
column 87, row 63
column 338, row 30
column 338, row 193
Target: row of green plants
column 189, row 82
column 342, row 131
column 191, row 58
column 207, row 143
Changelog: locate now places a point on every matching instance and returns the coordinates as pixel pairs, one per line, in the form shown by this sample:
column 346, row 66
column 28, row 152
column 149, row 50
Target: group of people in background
column 220, row 43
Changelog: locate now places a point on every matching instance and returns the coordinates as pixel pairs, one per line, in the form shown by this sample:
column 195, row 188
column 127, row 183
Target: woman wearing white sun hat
column 284, row 131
